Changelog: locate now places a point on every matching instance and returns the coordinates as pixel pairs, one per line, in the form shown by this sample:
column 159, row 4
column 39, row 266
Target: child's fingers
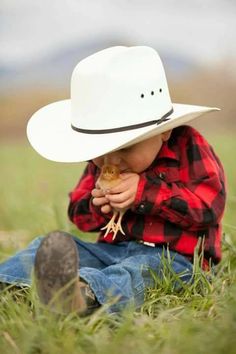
column 97, row 193
column 129, row 180
column 120, row 188
column 106, row 209
column 99, row 201
column 125, row 204
column 118, row 198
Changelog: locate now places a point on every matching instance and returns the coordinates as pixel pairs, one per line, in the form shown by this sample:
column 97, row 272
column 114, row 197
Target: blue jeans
column 119, row 270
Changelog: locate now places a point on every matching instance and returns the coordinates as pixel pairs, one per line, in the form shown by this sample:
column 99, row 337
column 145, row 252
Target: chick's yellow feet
column 118, row 226
column 113, row 226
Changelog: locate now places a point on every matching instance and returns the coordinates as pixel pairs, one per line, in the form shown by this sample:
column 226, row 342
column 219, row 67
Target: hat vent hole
column 152, row 93
column 142, row 95
column 160, row 90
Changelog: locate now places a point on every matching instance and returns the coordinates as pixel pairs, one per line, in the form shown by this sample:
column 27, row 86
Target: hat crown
column 118, row 87
column 119, row 97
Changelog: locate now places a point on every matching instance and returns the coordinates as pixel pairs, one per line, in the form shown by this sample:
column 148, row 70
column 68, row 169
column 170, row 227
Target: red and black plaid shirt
column 180, row 198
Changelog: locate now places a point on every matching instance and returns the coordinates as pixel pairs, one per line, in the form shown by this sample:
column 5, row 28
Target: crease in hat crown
column 118, row 87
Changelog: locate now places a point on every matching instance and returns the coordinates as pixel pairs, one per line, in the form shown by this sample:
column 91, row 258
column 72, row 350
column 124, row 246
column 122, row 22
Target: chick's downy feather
column 109, row 177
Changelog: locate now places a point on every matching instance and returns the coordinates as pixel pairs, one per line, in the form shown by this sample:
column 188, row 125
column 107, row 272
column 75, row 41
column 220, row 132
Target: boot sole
column 56, row 271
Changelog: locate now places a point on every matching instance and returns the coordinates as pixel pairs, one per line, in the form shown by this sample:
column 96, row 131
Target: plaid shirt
column 180, row 198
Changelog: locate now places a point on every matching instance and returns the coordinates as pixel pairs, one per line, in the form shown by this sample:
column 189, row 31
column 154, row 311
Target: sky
column 200, row 30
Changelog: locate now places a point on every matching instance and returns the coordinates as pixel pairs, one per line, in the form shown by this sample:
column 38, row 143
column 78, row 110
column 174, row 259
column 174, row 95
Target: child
column 172, row 185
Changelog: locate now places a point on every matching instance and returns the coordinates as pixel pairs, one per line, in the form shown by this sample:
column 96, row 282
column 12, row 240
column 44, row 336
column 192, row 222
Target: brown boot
column 56, row 276
column 85, row 293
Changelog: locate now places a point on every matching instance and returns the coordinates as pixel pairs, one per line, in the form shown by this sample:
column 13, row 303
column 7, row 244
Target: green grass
column 201, row 318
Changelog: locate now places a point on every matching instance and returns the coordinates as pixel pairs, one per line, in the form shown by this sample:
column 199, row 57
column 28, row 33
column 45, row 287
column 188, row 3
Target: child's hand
column 99, row 199
column 123, row 195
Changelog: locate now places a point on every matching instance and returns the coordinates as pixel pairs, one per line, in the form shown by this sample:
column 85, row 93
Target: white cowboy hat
column 119, row 96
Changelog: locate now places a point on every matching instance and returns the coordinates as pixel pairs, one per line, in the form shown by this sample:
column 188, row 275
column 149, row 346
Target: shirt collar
column 167, row 152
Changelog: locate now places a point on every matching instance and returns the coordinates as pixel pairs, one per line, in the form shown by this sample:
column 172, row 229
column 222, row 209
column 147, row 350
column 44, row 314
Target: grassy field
column 199, row 319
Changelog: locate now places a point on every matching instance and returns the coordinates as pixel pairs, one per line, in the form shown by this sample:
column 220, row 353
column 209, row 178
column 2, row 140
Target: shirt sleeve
column 81, row 210
column 196, row 200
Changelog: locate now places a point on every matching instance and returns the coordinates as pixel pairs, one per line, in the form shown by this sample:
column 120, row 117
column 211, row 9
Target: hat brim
column 49, row 132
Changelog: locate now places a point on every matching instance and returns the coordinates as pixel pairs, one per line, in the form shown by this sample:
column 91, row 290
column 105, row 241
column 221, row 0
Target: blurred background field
column 38, row 53
column 36, row 62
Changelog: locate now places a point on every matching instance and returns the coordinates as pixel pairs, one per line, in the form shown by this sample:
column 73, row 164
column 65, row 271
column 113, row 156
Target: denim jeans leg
column 119, row 271
column 127, row 279
column 18, row 268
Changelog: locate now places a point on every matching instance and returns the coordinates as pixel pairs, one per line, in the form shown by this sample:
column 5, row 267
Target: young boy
column 171, row 186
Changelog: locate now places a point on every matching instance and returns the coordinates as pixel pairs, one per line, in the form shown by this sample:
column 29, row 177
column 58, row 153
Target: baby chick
column 110, row 177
